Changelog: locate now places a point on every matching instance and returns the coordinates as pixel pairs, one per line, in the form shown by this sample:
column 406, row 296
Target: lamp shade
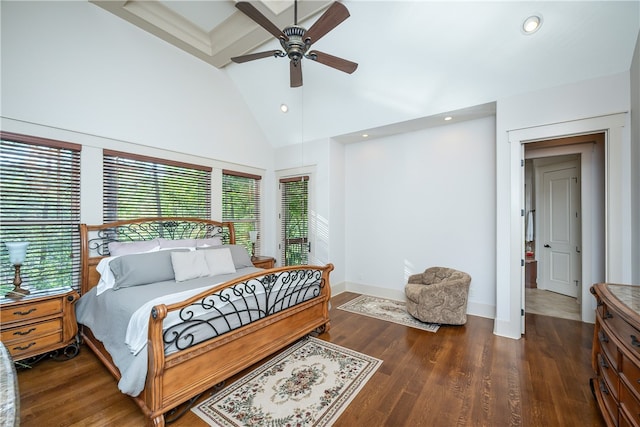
column 17, row 252
column 253, row 236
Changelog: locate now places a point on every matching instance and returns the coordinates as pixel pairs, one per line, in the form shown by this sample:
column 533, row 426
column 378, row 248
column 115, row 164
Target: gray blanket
column 108, row 314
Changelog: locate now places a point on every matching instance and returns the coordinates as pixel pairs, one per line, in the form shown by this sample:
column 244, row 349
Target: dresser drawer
column 629, row 405
column 630, row 371
column 31, row 311
column 611, row 405
column 609, row 375
column 628, row 335
column 607, row 346
column 34, row 346
column 31, row 331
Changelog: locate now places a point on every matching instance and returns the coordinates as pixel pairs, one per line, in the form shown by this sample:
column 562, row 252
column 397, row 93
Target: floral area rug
column 386, row 309
column 309, row 384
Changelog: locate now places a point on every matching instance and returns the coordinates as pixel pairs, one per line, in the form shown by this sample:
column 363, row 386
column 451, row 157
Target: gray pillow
column 142, row 269
column 239, row 253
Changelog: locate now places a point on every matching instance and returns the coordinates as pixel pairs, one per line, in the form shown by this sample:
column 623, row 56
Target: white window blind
column 40, row 204
column 294, row 220
column 241, row 205
column 139, row 186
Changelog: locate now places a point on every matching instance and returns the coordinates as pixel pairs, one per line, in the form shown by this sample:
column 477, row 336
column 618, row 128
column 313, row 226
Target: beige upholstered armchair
column 439, row 295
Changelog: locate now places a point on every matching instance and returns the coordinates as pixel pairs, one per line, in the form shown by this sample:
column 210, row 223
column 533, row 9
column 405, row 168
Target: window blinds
column 40, row 193
column 241, row 205
column 140, row 186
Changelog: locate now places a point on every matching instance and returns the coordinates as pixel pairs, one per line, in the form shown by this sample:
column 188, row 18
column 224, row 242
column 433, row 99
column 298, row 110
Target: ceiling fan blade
column 296, row 73
column 333, row 61
column 253, row 13
column 333, row 16
column 259, row 55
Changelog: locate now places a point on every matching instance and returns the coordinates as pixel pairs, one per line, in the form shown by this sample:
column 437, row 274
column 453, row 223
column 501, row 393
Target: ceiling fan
column 296, row 40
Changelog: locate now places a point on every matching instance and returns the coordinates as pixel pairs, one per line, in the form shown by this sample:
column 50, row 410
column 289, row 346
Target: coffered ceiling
column 214, row 31
column 419, row 60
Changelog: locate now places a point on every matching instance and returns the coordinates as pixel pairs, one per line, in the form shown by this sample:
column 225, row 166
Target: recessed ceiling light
column 448, row 118
column 365, row 135
column 532, row 24
column 284, row 108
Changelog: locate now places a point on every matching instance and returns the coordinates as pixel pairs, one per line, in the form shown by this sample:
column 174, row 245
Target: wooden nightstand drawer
column 39, row 323
column 31, row 331
column 31, row 310
column 263, row 262
column 31, row 347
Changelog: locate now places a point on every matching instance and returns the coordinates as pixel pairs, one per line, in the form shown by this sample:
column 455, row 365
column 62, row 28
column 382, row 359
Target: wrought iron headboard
column 95, row 239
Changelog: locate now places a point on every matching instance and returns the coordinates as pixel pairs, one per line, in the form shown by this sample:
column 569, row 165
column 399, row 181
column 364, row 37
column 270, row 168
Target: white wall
column 72, row 65
column 74, row 72
column 418, row 200
column 635, row 155
column 582, row 107
column 325, row 160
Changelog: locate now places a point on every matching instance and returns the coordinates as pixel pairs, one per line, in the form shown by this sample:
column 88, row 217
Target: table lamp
column 17, row 254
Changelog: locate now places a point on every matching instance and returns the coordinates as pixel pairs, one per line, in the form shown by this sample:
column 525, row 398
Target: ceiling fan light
column 532, row 24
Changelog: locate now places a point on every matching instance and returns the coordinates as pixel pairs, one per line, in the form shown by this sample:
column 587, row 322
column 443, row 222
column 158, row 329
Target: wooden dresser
column 616, row 353
column 39, row 323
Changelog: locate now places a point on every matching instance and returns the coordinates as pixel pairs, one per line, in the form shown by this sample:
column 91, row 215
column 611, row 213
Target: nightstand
column 263, row 261
column 39, row 323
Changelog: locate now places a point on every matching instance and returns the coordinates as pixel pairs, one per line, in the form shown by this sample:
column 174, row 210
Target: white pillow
column 136, row 247
column 189, row 265
column 175, row 244
column 211, row 241
column 219, row 261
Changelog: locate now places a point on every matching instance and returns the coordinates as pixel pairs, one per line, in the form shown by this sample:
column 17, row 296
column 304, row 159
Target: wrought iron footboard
column 238, row 305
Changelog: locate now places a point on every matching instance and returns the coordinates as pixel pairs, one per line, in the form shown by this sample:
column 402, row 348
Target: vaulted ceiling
column 419, row 61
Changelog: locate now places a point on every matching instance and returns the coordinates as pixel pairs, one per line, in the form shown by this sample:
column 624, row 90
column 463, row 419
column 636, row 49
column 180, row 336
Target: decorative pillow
column 211, row 241
column 126, row 248
column 189, row 265
column 241, row 258
column 219, row 261
column 180, row 243
column 142, row 269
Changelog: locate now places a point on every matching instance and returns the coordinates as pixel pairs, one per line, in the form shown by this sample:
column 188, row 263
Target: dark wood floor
column 459, row 376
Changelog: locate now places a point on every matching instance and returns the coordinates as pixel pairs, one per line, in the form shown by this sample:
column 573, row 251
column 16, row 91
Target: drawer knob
column 24, row 347
column 24, row 333
column 603, row 363
column 24, row 313
column 602, row 337
column 603, row 388
column 634, row 341
column 608, row 315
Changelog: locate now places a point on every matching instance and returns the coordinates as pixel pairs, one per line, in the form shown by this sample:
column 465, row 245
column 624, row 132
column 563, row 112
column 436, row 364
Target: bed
column 168, row 339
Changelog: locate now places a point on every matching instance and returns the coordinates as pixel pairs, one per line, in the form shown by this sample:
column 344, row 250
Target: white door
column 560, row 226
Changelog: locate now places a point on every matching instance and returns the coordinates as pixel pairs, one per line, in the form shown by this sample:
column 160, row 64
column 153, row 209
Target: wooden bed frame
column 178, row 377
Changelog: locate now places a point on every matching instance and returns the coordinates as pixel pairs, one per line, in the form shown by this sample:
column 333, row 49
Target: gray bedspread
column 108, row 314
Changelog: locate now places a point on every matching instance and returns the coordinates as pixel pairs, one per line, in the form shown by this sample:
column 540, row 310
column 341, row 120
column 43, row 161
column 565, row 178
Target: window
column 40, row 204
column 241, row 205
column 294, row 220
column 139, row 186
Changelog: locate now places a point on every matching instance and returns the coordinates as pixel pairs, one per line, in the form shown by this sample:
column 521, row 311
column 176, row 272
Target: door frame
column 290, row 173
column 614, row 251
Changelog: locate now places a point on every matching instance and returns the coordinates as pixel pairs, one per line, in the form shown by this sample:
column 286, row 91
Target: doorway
column 554, row 202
